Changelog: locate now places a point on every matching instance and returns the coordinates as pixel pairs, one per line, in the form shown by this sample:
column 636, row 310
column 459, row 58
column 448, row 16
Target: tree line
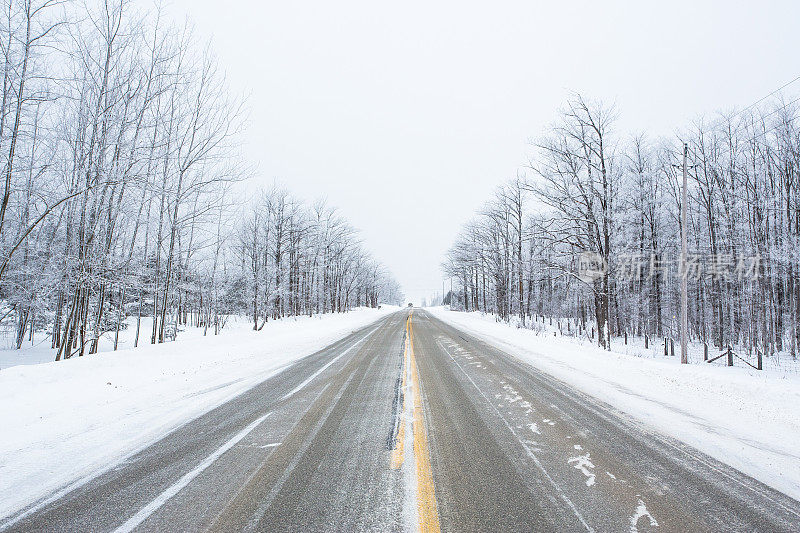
column 299, row 259
column 588, row 189
column 118, row 135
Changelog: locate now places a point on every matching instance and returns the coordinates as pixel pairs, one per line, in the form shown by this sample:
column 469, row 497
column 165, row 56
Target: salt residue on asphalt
column 740, row 416
column 62, row 421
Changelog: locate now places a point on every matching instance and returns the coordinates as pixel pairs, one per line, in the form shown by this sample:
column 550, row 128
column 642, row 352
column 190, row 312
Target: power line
column 759, row 134
column 761, row 119
column 754, row 104
column 764, row 117
column 779, row 89
column 776, row 126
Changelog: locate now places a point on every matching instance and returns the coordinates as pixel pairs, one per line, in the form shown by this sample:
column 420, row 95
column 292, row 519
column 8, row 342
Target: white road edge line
column 713, row 467
column 530, row 453
column 162, row 498
column 325, row 367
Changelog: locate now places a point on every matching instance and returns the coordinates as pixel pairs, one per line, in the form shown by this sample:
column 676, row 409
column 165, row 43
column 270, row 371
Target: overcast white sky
column 406, row 115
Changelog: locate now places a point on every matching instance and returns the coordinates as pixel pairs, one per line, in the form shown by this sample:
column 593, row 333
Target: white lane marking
column 162, row 498
column 325, row 367
column 528, row 450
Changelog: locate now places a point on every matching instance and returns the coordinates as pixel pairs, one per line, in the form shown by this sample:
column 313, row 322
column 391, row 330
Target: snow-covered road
column 412, row 424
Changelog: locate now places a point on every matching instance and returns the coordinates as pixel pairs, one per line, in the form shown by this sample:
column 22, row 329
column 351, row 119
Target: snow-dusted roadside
column 64, row 421
column 742, row 417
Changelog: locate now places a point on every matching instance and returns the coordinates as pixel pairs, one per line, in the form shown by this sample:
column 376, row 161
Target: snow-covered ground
column 740, row 416
column 66, row 421
column 39, row 350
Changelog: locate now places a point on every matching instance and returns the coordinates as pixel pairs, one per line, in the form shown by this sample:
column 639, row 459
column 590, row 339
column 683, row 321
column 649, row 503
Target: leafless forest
column 589, row 187
column 120, row 168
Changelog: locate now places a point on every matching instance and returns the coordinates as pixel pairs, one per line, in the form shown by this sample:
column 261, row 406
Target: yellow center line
column 398, row 452
column 427, row 512
column 426, row 497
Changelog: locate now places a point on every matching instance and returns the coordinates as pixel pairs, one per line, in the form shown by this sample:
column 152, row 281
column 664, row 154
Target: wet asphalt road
column 399, row 426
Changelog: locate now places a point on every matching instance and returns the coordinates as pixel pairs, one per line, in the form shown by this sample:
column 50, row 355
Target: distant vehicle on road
column 410, row 304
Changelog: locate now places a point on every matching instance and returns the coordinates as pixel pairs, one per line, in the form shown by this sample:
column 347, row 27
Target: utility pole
column 684, row 271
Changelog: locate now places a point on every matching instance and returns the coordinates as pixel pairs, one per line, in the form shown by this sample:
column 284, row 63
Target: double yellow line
column 398, row 452
column 428, row 515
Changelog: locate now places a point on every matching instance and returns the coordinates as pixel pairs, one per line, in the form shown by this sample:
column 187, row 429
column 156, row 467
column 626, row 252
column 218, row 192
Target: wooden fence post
column 672, row 347
column 626, row 337
column 730, row 356
column 666, row 347
column 705, row 351
column 645, row 341
column 760, row 361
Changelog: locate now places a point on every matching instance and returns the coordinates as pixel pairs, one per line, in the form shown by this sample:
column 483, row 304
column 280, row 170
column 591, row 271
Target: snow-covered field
column 740, row 416
column 65, row 421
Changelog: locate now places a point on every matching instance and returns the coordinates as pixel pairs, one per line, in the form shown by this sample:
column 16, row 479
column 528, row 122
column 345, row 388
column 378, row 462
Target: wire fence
column 667, row 348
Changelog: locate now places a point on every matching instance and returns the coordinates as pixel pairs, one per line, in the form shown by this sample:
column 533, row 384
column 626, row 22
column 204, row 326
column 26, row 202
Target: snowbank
column 742, row 417
column 64, row 421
